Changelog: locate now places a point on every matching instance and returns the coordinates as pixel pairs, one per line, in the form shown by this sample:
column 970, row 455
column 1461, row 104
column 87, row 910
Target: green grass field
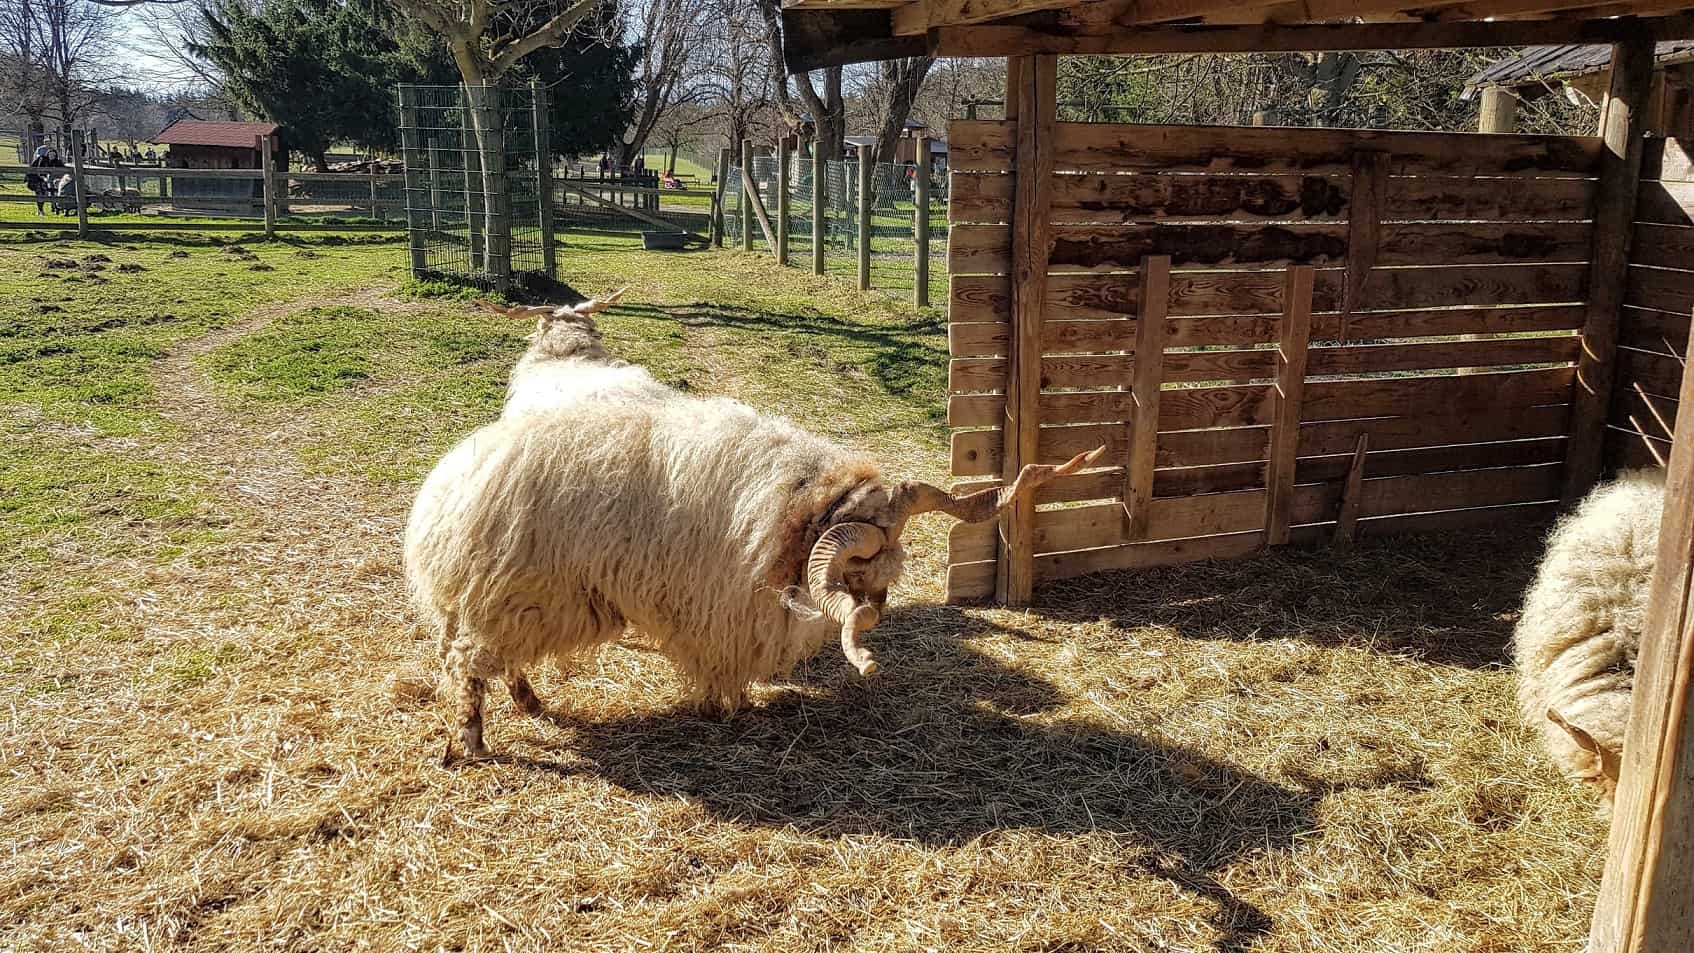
column 209, row 454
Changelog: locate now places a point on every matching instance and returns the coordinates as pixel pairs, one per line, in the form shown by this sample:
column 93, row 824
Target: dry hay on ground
column 1303, row 751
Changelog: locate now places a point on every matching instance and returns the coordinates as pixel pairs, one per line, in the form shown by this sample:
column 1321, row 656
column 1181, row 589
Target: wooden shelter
column 208, row 144
column 1293, row 334
column 1582, row 70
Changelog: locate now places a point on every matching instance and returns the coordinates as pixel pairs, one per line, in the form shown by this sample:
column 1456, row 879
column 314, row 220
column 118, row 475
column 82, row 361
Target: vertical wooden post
column 1614, row 214
column 1646, row 902
column 1034, row 82
column 1499, row 110
column 1364, row 218
column 783, row 211
column 78, row 184
column 920, row 226
column 1290, row 390
column 820, row 206
column 748, row 194
column 1347, row 521
column 415, row 237
column 1147, row 374
column 268, row 170
column 544, row 175
column 867, row 166
column 718, row 196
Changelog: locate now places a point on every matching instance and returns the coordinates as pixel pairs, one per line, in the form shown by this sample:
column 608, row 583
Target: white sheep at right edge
column 1580, row 633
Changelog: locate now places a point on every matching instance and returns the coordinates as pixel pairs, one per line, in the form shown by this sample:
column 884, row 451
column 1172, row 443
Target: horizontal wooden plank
column 980, row 145
column 1515, row 198
column 970, row 581
column 1634, row 408
column 979, row 197
column 1094, row 296
column 1660, row 289
column 1436, row 396
column 1402, row 288
column 1665, row 203
column 977, row 453
column 983, row 374
column 979, row 298
column 1103, row 199
column 1378, row 325
column 1378, row 358
column 1660, row 332
column 1120, row 147
column 1461, row 489
column 986, row 249
column 1652, row 373
column 1666, row 159
column 1663, row 246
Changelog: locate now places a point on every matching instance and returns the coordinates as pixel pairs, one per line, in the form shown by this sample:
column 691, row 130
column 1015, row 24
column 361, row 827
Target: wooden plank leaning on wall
column 1035, row 84
column 1614, row 214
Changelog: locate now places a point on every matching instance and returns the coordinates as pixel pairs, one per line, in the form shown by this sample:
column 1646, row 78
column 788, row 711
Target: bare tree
column 737, row 70
column 893, row 94
column 65, row 52
column 670, row 33
column 827, row 110
column 486, row 38
column 681, row 126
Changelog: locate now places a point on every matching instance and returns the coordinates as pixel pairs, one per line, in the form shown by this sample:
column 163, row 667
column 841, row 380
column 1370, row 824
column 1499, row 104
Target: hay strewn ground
column 205, row 469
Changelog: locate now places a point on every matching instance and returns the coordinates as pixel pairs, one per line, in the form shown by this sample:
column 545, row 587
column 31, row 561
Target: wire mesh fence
column 589, row 197
column 473, row 183
column 889, row 200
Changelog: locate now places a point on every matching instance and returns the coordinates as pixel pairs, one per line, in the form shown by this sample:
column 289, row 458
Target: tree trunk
column 489, row 129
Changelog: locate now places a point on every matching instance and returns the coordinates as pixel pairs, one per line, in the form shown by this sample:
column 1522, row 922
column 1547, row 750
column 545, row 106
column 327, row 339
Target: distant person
column 39, row 182
column 640, row 164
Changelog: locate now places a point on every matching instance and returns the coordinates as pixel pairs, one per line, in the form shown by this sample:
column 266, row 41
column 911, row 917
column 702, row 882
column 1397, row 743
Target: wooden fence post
column 920, row 226
column 1032, row 80
column 1352, row 496
column 267, row 191
column 717, row 223
column 543, row 175
column 820, row 205
column 867, row 166
column 1499, row 111
column 1153, row 305
column 1646, row 893
column 415, row 238
column 78, row 184
column 748, row 194
column 1290, row 390
column 376, row 208
column 1621, row 125
column 782, row 203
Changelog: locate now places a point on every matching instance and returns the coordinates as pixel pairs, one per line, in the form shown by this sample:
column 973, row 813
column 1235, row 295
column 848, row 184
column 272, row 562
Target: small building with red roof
column 213, row 144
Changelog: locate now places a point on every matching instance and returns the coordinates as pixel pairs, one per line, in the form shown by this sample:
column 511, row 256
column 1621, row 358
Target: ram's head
column 858, row 557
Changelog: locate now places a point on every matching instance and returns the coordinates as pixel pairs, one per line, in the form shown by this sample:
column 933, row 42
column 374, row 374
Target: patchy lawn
column 205, row 471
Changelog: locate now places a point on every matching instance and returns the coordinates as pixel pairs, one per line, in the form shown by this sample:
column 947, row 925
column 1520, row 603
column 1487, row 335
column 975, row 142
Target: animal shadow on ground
column 934, row 750
column 1443, row 598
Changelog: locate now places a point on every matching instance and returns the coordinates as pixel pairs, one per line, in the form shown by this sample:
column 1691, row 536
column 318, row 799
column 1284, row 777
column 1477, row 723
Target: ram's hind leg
column 523, row 694
column 466, row 687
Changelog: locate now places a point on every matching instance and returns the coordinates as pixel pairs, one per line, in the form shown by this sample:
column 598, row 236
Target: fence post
column 370, row 170
column 820, row 204
column 718, row 193
column 77, row 184
column 544, row 175
column 920, row 226
column 267, row 185
column 409, row 149
column 747, row 184
column 782, row 203
column 866, row 167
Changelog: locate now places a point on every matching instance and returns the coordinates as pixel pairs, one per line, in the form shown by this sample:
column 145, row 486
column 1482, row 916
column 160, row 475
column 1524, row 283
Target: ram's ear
column 1583, row 739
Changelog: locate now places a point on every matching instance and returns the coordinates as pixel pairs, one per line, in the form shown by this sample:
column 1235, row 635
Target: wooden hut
column 206, row 144
column 1582, row 71
column 1265, row 325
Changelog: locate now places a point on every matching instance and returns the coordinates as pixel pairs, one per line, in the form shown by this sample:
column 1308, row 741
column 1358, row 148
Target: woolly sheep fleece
column 602, row 498
column 1580, row 632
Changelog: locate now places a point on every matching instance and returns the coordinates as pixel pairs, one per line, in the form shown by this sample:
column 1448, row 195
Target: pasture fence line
column 150, row 198
column 884, row 224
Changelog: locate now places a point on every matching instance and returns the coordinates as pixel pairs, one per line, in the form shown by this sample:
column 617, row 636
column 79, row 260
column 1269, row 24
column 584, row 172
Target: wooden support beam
column 79, row 185
column 1035, row 82
column 1146, row 376
column 717, row 225
column 749, row 195
column 920, row 225
column 1364, row 227
column 1290, row 390
column 867, row 165
column 820, row 204
column 268, row 163
column 783, row 153
column 1499, row 110
column 1049, row 33
column 1646, row 902
column 1352, row 493
column 1621, row 124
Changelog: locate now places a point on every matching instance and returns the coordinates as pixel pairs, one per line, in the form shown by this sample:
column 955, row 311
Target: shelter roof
column 1563, row 62
column 201, row 132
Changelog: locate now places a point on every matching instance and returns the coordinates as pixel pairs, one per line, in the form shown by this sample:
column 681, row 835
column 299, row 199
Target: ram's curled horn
column 826, row 573
column 916, row 497
column 597, row 305
column 519, row 310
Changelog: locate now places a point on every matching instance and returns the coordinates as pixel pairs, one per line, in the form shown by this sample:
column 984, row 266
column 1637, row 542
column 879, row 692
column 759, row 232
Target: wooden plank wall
column 1416, row 239
column 1658, row 302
